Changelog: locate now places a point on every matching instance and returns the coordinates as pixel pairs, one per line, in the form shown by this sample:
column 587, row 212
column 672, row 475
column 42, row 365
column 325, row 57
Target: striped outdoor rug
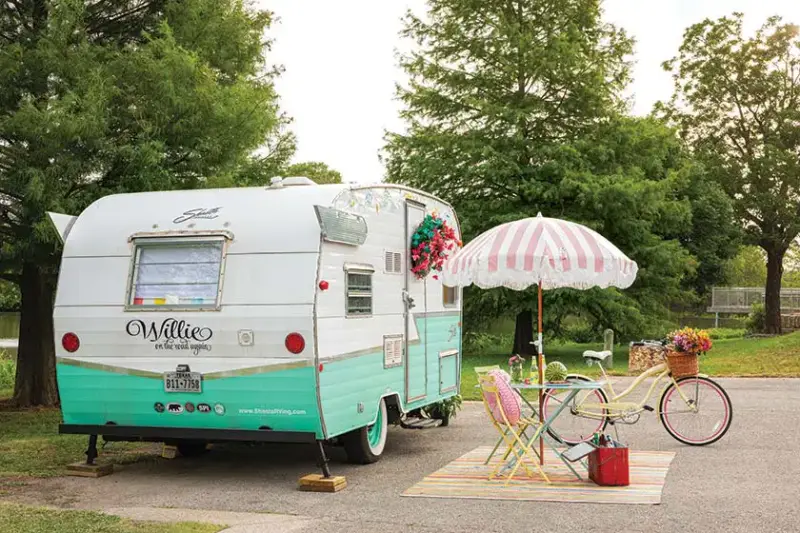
column 467, row 477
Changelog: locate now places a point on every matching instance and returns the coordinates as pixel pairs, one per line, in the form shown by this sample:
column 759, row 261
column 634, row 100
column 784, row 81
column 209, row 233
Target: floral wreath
column 430, row 245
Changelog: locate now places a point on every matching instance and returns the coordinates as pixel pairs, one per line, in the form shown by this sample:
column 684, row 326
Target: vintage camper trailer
column 284, row 313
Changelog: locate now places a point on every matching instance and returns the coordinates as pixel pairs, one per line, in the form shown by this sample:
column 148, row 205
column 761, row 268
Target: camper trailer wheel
column 365, row 445
column 191, row 448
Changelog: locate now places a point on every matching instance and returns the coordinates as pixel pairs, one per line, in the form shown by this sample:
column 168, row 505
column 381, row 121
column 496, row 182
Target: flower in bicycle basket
column 690, row 341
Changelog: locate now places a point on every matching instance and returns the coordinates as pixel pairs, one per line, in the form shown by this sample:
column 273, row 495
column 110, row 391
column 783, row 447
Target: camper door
column 415, row 308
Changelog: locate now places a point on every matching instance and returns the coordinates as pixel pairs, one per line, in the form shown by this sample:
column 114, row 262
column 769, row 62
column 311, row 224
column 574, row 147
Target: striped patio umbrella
column 547, row 252
column 542, row 251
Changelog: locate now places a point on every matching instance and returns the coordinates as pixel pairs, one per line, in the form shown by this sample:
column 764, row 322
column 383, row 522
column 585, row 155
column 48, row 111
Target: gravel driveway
column 746, row 482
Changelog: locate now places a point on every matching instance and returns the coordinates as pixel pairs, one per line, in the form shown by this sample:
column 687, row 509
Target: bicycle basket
column 683, row 364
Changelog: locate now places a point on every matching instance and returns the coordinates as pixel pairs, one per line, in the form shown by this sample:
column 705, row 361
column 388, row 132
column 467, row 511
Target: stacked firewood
column 645, row 354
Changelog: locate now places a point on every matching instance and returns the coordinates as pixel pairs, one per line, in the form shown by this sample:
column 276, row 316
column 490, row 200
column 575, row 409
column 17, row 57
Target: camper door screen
column 183, row 382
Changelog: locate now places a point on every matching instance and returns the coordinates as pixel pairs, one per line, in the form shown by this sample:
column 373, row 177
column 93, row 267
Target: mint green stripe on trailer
column 351, row 387
column 443, row 340
column 283, row 400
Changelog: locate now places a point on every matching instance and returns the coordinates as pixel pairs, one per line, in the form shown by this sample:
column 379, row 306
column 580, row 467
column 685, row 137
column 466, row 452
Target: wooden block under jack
column 319, row 483
column 169, row 452
column 83, row 470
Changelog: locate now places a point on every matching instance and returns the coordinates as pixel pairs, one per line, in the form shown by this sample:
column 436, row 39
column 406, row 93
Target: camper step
column 419, row 423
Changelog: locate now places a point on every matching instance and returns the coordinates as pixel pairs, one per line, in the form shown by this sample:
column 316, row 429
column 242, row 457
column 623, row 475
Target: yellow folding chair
column 512, row 434
column 480, row 371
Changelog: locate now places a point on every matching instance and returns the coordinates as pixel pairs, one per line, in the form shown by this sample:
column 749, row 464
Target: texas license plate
column 183, row 382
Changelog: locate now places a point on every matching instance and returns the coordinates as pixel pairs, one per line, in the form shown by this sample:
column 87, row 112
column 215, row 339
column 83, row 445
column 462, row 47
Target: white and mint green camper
column 285, row 313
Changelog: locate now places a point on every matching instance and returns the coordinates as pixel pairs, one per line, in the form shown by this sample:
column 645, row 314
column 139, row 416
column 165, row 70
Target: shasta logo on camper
column 171, row 334
column 199, row 212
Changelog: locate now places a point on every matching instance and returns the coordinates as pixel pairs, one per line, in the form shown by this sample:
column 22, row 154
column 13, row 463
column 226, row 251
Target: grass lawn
column 25, row 519
column 31, row 446
column 747, row 357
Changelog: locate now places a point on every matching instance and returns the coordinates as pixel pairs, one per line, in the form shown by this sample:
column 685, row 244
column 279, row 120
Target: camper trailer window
column 359, row 293
column 176, row 274
column 450, row 296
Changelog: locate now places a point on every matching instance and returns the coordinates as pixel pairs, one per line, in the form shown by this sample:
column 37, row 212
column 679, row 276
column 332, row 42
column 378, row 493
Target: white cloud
column 341, row 68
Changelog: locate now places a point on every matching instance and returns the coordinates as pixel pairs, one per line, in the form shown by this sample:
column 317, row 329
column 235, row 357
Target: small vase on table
column 515, row 367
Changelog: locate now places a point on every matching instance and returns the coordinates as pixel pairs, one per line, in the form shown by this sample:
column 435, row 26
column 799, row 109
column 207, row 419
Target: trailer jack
column 91, row 452
column 323, row 460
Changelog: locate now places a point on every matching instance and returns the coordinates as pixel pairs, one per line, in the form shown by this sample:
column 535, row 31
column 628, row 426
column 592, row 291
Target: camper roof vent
column 298, row 180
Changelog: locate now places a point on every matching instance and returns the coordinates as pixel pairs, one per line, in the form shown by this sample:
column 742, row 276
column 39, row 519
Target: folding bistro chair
column 505, row 412
column 482, row 370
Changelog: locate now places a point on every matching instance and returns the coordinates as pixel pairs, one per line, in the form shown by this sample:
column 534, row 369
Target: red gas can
column 609, row 466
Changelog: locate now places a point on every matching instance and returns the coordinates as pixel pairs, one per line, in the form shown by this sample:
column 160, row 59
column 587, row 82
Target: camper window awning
column 340, row 226
column 362, row 267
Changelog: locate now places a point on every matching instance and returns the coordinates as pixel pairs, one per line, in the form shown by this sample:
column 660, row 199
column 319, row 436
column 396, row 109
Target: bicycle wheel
column 704, row 419
column 570, row 427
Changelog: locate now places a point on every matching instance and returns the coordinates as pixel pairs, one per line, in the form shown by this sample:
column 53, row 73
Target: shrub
column 726, row 333
column 444, row 410
column 485, row 343
column 582, row 333
column 757, row 319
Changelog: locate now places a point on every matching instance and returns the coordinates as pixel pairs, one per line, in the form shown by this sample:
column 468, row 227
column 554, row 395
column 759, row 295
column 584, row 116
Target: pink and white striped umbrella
column 555, row 252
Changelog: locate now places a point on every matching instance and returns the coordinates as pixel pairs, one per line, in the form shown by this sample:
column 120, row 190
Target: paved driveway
column 747, row 482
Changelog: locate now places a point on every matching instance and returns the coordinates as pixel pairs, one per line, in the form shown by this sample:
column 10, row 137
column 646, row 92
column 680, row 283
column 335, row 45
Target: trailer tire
column 365, row 445
column 191, row 448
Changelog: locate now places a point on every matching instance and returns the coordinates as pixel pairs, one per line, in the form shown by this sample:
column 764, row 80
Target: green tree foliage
column 714, row 236
column 9, row 296
column 319, row 172
column 268, row 161
column 737, row 102
column 99, row 97
column 749, row 268
column 514, row 108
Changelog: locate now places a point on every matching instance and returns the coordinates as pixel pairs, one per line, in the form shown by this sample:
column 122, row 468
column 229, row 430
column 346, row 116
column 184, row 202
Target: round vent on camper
column 295, row 342
column 70, row 342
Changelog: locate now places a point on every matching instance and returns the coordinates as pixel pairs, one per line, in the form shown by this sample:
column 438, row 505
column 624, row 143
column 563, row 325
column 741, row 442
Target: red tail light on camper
column 70, row 342
column 295, row 342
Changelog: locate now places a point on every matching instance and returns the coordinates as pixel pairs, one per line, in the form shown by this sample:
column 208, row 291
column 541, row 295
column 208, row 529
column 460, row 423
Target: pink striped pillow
column 509, row 400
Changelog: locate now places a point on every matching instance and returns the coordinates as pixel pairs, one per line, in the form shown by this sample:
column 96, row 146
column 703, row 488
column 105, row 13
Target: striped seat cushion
column 509, row 400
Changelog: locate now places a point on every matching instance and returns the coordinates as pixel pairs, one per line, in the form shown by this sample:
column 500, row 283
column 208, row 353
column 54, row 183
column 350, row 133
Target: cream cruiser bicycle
column 695, row 410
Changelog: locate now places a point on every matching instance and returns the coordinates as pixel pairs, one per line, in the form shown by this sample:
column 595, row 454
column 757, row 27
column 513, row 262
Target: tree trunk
column 523, row 334
column 36, row 360
column 772, row 293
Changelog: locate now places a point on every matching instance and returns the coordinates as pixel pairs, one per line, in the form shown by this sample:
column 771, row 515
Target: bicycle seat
column 597, row 356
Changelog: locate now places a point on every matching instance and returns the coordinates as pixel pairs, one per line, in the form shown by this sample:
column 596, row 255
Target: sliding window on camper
column 170, row 273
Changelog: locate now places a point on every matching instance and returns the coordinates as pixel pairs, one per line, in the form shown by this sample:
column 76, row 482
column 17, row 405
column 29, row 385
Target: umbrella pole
column 541, row 376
